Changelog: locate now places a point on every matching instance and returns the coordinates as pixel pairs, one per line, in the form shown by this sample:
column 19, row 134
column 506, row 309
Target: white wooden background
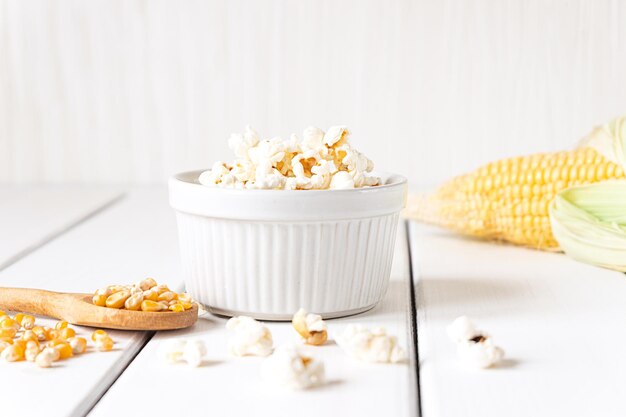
column 134, row 90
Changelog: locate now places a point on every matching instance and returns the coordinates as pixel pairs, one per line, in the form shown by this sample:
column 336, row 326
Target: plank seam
column 120, row 367
column 413, row 319
column 58, row 233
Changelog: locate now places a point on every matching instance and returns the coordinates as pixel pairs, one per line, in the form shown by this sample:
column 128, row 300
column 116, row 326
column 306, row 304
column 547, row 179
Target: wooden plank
column 130, row 240
column 232, row 386
column 560, row 322
column 30, row 216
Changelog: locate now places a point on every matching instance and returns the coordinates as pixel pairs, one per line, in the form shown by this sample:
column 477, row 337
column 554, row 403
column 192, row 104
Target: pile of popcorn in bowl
column 286, row 223
column 320, row 161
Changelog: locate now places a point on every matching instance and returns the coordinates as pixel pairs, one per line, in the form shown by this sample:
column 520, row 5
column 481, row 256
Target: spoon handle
column 29, row 300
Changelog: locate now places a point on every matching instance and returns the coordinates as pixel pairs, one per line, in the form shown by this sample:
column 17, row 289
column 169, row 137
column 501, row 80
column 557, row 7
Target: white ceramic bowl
column 266, row 253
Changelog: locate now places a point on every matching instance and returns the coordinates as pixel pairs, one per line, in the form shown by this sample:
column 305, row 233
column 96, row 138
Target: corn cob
column 508, row 200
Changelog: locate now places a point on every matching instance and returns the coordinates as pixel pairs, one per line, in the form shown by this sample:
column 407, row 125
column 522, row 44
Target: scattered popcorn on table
column 180, row 350
column 370, row 345
column 479, row 352
column 462, row 329
column 320, row 161
column 289, row 368
column 172, row 350
column 249, row 337
column 474, row 347
column 194, row 353
column 310, row 327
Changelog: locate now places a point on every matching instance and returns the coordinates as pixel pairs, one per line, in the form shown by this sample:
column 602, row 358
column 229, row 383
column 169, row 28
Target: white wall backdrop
column 134, row 90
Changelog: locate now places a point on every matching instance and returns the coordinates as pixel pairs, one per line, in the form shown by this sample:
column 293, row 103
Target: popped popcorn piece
column 310, row 327
column 249, row 337
column 172, row 350
column 462, row 329
column 342, row 180
column 475, row 348
column 289, row 368
column 180, row 350
column 194, row 352
column 479, row 352
column 336, row 135
column 311, row 164
column 371, row 345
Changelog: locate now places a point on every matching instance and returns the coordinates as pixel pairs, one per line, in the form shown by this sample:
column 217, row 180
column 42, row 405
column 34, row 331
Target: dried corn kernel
column 186, row 304
column 98, row 334
column 106, row 291
column 185, row 297
column 30, row 335
column 134, row 301
column 100, row 300
column 78, row 344
column 41, row 333
column 61, row 325
column 4, row 343
column 167, row 296
column 152, row 306
column 64, row 348
column 9, row 332
column 104, row 344
column 151, row 295
column 13, row 353
column 25, row 320
column 117, row 299
column 28, row 322
column 147, row 283
column 31, row 351
column 20, row 342
column 160, row 289
column 46, row 357
column 10, row 323
column 116, row 288
column 67, row 333
column 177, row 308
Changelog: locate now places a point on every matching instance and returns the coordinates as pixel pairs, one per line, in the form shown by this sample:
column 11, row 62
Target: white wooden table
column 78, row 239
column 560, row 322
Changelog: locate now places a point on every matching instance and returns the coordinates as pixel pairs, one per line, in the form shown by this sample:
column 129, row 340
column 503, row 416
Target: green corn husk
column 589, row 222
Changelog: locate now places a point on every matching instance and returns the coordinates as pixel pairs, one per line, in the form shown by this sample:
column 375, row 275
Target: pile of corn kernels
column 21, row 339
column 145, row 295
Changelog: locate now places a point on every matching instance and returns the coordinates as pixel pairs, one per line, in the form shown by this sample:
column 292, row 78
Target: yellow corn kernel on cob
column 508, row 200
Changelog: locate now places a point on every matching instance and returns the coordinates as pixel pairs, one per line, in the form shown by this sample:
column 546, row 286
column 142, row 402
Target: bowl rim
column 397, row 180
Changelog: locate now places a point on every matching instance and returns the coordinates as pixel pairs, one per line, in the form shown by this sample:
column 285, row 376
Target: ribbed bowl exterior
column 269, row 269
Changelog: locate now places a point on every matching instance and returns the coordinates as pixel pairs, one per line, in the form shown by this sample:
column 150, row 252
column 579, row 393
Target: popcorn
column 371, row 346
column 179, row 350
column 479, row 352
column 289, row 368
column 310, row 164
column 336, row 135
column 241, row 144
column 342, row 180
column 310, row 327
column 249, row 337
column 194, row 352
column 474, row 347
column 462, row 329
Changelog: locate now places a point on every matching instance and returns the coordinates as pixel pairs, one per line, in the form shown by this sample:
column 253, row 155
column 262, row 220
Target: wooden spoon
column 78, row 309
